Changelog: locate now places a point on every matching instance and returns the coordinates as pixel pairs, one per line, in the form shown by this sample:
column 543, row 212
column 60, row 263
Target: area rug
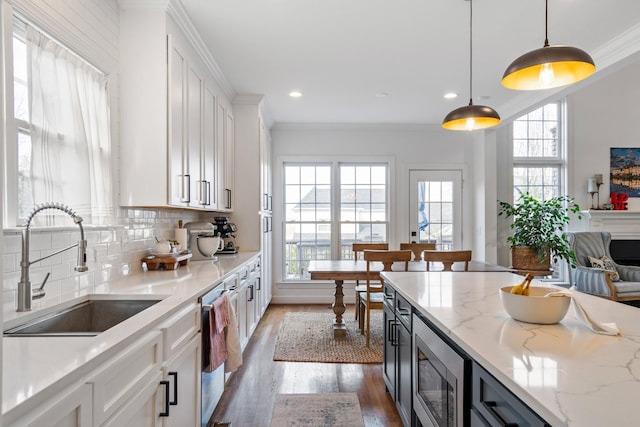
column 317, row 410
column 308, row 337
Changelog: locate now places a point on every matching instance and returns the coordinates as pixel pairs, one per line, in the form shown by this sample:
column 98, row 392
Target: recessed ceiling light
column 382, row 95
column 450, row 95
column 295, row 94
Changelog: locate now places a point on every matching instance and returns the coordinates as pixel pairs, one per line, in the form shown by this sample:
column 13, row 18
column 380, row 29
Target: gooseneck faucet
column 25, row 292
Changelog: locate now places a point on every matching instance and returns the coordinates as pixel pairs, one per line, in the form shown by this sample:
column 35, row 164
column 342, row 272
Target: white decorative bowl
column 535, row 308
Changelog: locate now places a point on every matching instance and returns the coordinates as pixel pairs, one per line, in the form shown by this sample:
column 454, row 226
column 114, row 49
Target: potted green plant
column 538, row 231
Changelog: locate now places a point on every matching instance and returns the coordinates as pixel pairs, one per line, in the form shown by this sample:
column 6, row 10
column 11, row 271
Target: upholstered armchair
column 599, row 281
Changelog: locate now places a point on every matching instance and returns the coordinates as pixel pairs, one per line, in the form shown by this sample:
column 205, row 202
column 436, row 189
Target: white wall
column 603, row 115
column 410, row 147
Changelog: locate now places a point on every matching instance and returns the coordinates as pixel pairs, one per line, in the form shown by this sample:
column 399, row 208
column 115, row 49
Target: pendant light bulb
column 471, row 123
column 548, row 67
column 547, row 75
column 471, row 117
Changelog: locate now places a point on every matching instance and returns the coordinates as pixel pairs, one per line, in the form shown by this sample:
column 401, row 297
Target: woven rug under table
column 308, row 337
column 317, row 410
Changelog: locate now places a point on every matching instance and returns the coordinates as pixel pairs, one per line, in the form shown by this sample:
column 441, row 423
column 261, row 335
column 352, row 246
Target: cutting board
column 166, row 262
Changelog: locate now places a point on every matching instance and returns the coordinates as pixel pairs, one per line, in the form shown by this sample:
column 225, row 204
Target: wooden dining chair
column 373, row 297
column 358, row 249
column 417, row 249
column 447, row 258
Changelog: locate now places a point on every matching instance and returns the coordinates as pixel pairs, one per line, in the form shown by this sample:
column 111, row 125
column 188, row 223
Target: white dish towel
column 584, row 317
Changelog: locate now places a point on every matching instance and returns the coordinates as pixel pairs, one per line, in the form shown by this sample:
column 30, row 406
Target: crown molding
column 177, row 12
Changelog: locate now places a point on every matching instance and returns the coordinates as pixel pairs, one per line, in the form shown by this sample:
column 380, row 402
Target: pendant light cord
column 546, row 23
column 470, row 52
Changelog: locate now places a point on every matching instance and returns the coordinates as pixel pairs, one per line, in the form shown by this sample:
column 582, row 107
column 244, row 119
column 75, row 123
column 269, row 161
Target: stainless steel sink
column 87, row 318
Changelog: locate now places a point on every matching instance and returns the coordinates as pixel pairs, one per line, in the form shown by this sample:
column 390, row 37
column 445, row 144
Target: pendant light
column 549, row 66
column 471, row 117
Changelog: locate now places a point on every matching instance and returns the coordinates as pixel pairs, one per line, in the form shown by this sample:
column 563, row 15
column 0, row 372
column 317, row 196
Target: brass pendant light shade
column 471, row 117
column 548, row 67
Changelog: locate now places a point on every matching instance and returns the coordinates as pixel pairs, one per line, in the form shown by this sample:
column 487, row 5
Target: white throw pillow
column 605, row 263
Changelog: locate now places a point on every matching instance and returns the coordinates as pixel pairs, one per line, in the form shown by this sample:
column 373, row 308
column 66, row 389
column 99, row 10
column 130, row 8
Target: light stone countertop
column 35, row 369
column 567, row 374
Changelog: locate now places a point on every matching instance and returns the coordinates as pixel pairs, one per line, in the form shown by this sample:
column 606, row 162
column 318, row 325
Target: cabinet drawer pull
column 166, row 399
column 403, row 311
column 175, row 388
column 490, row 405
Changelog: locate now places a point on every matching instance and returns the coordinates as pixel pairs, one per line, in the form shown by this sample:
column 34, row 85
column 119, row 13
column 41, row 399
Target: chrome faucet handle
column 39, row 293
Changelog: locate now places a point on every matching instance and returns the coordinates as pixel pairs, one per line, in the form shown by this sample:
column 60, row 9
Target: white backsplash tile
column 112, row 252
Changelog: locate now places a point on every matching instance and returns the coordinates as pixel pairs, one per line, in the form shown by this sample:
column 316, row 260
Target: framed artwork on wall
column 625, row 171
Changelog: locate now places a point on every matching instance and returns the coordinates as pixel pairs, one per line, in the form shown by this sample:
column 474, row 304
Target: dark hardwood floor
column 250, row 392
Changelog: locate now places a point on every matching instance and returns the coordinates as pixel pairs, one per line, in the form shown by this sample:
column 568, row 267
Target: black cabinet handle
column 175, row 388
column 251, row 294
column 394, row 335
column 166, row 399
column 403, row 312
column 258, row 287
column 390, row 331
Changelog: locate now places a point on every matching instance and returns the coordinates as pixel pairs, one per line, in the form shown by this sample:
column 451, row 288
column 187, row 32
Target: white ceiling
column 341, row 53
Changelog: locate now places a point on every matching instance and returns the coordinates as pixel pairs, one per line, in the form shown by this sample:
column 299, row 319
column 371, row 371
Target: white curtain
column 70, row 133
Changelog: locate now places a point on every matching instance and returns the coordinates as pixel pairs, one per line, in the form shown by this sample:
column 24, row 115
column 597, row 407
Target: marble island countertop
column 35, row 368
column 566, row 373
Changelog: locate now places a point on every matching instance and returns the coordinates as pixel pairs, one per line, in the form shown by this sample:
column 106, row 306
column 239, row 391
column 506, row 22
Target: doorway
column 435, row 208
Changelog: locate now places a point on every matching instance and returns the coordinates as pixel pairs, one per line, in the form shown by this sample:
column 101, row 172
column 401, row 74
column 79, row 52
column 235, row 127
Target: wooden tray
column 166, row 262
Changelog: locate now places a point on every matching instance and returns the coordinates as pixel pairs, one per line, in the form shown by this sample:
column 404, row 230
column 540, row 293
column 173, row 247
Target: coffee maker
column 226, row 230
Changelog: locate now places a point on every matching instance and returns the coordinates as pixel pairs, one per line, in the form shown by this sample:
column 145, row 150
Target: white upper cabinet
column 226, row 158
column 174, row 141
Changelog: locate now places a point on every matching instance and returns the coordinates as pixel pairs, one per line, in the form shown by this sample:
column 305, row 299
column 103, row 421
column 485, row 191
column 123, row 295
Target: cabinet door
column 183, row 374
column 209, row 149
column 123, row 376
column 194, row 137
column 226, row 142
column 404, row 396
column 241, row 313
column 68, row 409
column 390, row 343
column 143, row 409
column 179, row 191
column 229, row 158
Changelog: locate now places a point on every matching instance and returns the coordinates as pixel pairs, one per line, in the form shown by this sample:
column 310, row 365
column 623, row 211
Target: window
column 330, row 206
column 537, row 153
column 61, row 150
column 538, row 157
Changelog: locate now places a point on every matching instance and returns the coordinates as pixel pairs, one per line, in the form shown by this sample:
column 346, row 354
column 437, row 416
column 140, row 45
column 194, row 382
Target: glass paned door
column 435, row 206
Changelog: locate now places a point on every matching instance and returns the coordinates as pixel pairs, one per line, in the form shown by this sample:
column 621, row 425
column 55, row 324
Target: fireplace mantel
column 623, row 225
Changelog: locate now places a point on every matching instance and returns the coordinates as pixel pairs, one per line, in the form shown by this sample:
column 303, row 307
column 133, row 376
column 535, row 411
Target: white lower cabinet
column 144, row 408
column 156, row 380
column 183, row 374
column 71, row 408
column 129, row 384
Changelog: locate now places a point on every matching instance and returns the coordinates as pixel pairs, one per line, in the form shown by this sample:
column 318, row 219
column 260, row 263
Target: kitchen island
column 565, row 373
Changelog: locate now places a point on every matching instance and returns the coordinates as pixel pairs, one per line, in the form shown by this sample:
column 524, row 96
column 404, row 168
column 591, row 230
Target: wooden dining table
column 347, row 269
